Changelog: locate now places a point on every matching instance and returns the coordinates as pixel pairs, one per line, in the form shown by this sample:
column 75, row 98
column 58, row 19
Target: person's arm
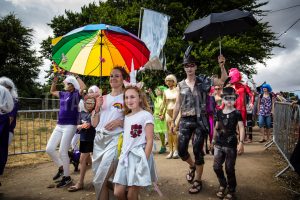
column 250, row 94
column 95, row 118
column 81, row 84
column 213, row 141
column 53, row 90
column 176, row 110
column 163, row 107
column 240, row 147
column 224, row 75
column 149, row 129
column 114, row 124
column 258, row 104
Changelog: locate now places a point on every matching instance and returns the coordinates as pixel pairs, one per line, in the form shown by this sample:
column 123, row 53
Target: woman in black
column 226, row 144
column 87, row 135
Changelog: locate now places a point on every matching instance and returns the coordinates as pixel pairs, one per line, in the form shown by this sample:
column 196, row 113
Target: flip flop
column 74, row 188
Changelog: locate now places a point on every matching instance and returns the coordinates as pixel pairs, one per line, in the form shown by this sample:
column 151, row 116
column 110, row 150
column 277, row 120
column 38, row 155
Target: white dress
column 133, row 168
column 105, row 142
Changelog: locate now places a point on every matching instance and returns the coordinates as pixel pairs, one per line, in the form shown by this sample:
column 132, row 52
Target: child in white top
column 134, row 170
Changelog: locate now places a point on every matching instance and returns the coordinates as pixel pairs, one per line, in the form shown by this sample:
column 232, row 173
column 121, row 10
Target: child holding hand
column 226, row 144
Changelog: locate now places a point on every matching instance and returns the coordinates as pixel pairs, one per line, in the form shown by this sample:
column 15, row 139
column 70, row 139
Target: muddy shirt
column 226, row 132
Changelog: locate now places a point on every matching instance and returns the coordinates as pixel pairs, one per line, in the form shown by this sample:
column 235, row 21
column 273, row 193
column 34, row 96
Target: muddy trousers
column 187, row 127
column 227, row 155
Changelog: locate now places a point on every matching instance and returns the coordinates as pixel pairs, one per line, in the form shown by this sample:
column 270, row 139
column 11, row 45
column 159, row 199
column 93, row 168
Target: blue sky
column 281, row 71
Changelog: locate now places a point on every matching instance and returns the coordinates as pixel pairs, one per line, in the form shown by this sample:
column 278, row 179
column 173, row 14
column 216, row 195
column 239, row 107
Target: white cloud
column 36, row 14
column 282, row 71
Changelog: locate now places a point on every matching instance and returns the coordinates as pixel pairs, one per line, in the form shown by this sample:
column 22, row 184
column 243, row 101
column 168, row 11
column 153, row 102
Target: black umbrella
column 219, row 24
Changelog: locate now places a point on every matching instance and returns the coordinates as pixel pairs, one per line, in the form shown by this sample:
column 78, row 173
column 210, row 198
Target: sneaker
column 175, row 155
column 66, row 180
column 59, row 173
column 170, row 155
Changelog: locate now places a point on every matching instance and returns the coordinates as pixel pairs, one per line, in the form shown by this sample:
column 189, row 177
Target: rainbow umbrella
column 95, row 49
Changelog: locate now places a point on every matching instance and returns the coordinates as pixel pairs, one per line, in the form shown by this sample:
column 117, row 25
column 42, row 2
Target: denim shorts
column 264, row 121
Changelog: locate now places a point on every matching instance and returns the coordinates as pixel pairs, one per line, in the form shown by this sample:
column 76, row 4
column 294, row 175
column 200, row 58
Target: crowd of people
column 116, row 130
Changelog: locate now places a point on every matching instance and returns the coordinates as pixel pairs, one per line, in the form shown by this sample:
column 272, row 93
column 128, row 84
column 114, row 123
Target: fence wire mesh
column 286, row 130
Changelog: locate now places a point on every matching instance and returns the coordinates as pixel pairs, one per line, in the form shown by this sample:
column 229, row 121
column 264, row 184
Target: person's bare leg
column 120, row 192
column 170, row 140
column 199, row 172
column 262, row 132
column 83, row 160
column 175, row 145
column 133, row 193
column 268, row 131
column 104, row 194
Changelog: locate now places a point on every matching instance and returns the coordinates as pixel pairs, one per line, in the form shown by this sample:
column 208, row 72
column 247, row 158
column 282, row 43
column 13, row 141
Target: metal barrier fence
column 32, row 131
column 285, row 130
column 38, row 103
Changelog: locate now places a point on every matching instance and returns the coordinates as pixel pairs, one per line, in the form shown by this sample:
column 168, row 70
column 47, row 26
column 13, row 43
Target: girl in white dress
column 135, row 168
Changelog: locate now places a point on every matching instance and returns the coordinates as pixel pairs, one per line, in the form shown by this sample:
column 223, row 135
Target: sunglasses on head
column 189, row 65
column 227, row 98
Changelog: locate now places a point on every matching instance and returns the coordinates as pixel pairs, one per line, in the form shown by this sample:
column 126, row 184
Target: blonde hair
column 171, row 77
column 143, row 103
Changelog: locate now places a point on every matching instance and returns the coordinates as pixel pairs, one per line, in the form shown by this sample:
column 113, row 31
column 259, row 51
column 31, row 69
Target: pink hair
column 235, row 75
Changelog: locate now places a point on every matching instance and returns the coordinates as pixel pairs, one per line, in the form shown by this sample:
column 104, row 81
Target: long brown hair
column 143, row 103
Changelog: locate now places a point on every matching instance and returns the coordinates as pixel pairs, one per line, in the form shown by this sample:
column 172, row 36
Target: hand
column 99, row 103
column 211, row 146
column 112, row 125
column 240, row 148
column 221, row 60
column 251, row 106
column 161, row 117
column 79, row 127
column 55, row 79
column 172, row 126
column 86, row 125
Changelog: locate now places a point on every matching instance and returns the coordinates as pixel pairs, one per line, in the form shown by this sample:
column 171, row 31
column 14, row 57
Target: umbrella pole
column 101, row 59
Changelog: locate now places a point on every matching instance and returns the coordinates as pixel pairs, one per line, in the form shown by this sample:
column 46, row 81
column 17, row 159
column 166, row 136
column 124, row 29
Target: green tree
column 242, row 50
column 18, row 60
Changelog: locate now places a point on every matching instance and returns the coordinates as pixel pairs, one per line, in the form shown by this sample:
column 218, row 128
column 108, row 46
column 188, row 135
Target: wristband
column 242, row 142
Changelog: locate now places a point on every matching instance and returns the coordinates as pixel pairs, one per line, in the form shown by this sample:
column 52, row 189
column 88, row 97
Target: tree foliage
column 18, row 60
column 242, row 50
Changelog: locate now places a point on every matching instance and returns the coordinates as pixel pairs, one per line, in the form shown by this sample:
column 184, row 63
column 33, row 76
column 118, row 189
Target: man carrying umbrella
column 191, row 101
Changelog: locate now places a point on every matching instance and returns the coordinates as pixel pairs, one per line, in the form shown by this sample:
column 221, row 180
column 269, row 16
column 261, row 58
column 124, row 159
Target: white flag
column 154, row 31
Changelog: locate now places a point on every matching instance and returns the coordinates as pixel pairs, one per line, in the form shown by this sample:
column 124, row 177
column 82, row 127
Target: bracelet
column 242, row 142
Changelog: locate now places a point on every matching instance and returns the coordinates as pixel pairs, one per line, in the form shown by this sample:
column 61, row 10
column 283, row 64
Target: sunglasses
column 217, row 88
column 229, row 98
column 189, row 65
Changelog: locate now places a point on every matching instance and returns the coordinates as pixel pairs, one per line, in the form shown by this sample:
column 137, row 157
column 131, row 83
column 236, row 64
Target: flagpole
column 139, row 30
column 140, row 21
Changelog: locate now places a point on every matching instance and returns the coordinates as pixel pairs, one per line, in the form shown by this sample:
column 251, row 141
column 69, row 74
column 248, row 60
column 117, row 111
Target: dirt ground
column 255, row 171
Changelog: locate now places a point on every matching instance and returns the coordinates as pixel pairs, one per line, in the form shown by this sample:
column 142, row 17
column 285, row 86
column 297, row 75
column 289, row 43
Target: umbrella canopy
column 218, row 24
column 95, row 49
